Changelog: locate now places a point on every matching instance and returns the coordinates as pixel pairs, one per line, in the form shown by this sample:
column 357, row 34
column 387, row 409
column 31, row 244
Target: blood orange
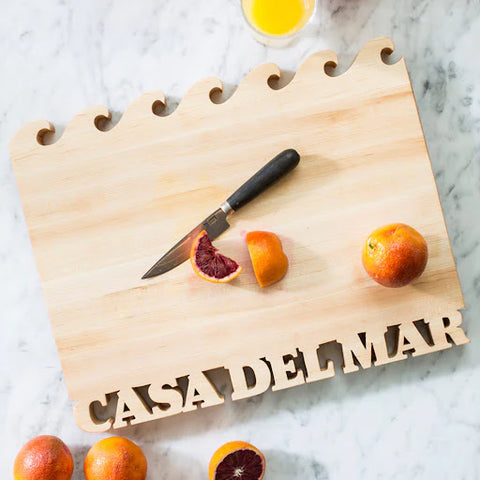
column 43, row 458
column 115, row 458
column 211, row 265
column 237, row 461
column 394, row 255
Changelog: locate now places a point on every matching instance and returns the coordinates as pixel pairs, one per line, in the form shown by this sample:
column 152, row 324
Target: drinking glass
column 277, row 22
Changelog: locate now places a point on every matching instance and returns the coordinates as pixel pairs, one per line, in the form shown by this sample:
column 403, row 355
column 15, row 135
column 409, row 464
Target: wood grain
column 101, row 207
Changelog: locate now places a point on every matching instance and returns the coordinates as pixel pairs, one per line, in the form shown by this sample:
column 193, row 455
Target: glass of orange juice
column 277, row 22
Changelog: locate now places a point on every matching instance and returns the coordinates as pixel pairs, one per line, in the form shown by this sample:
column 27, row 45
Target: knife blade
column 216, row 223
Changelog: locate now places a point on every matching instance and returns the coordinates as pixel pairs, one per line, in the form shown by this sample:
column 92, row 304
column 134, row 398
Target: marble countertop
column 418, row 419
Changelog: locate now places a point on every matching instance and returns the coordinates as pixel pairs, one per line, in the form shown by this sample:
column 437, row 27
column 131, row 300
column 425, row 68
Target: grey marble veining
column 417, row 419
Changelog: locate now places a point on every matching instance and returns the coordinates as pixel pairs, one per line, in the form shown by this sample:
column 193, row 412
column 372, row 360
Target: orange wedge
column 269, row 262
column 211, row 265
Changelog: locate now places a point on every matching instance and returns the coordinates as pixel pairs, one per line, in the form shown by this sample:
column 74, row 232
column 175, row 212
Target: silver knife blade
column 214, row 225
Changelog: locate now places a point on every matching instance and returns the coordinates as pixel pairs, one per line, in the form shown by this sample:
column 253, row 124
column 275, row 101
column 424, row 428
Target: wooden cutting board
column 103, row 206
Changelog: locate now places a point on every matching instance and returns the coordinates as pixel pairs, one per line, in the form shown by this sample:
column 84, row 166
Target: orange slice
column 237, row 461
column 269, row 262
column 211, row 265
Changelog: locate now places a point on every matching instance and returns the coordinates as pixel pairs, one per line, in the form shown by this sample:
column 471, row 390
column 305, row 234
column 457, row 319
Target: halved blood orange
column 237, row 461
column 211, row 265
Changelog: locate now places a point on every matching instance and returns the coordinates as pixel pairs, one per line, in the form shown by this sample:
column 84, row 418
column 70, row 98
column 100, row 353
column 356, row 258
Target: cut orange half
column 209, row 264
column 269, row 262
column 237, row 461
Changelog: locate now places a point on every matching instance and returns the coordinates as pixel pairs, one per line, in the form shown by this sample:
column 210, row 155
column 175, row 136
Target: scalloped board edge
column 134, row 389
column 198, row 97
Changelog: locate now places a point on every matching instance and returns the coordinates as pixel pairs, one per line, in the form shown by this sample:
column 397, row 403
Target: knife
column 216, row 223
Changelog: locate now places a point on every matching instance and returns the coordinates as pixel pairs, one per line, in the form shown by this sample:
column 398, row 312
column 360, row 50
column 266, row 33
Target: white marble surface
column 418, row 419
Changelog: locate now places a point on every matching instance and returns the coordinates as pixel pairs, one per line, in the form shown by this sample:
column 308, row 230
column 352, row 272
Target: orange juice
column 278, row 17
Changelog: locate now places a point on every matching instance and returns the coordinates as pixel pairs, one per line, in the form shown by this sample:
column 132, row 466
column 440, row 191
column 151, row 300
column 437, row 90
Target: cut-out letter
column 409, row 338
column 285, row 373
column 86, row 419
column 168, row 396
column 375, row 342
column 439, row 331
column 312, row 364
column 130, row 407
column 261, row 374
column 201, row 389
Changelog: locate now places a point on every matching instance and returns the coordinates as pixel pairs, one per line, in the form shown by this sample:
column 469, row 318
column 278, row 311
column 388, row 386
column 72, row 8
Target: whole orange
column 43, row 458
column 269, row 262
column 115, row 458
column 395, row 255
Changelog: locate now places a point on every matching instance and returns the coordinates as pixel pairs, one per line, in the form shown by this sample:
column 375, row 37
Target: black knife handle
column 275, row 169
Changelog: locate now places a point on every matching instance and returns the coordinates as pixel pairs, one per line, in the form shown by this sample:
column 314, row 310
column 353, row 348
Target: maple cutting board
column 102, row 207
